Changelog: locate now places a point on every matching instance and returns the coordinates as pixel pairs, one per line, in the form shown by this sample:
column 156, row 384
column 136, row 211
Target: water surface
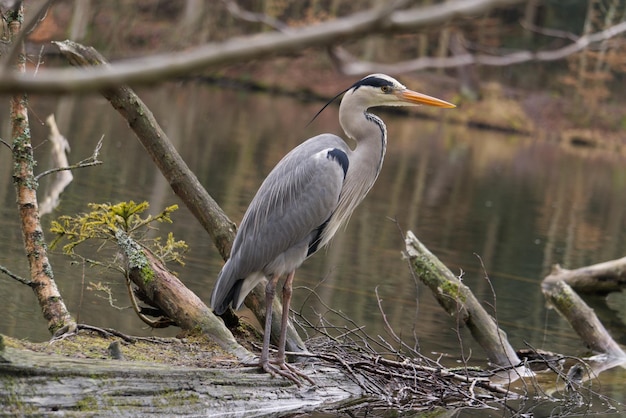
column 498, row 209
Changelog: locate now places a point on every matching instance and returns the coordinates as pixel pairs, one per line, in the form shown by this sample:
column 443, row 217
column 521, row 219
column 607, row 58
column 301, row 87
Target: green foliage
column 106, row 219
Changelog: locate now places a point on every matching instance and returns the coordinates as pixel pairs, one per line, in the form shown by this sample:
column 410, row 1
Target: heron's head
column 382, row 90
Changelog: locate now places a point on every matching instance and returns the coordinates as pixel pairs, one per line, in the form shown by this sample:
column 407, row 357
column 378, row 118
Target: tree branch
column 15, row 276
column 87, row 162
column 162, row 66
column 350, row 65
column 236, row 10
column 43, row 285
column 459, row 301
column 602, row 278
column 32, row 20
column 581, row 318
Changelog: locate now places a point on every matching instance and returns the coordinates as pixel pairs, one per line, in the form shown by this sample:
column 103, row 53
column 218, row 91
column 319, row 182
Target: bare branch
column 236, row 10
column 70, row 167
column 159, row 67
column 87, row 162
column 350, row 65
column 15, row 276
column 554, row 33
column 39, row 13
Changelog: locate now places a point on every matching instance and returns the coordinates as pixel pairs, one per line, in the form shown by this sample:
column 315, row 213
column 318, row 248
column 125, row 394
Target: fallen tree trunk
column 459, row 301
column 606, row 277
column 41, row 384
column 170, row 295
column 349, row 377
column 581, row 318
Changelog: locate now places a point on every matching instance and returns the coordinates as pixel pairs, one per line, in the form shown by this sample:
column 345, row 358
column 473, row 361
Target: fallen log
column 459, row 301
column 169, row 376
column 581, row 318
column 43, row 384
column 62, row 178
column 606, row 277
column 173, row 298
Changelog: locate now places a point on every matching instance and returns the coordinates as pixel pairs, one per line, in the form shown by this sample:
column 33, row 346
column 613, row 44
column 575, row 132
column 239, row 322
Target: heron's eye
column 386, row 89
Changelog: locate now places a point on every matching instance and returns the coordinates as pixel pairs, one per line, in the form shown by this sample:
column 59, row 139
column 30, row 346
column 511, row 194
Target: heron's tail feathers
column 231, row 289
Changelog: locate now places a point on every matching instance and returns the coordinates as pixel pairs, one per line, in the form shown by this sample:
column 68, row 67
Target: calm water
column 512, row 204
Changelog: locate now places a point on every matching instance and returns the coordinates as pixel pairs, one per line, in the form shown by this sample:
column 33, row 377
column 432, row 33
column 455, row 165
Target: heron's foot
column 280, row 368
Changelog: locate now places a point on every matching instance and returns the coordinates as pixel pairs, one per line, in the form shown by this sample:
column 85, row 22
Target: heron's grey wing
column 284, row 221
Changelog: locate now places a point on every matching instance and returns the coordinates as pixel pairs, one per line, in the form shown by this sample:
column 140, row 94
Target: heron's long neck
column 366, row 160
column 370, row 134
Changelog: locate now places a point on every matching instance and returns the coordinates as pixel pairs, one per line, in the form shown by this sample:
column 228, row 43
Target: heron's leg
column 270, row 290
column 287, row 291
column 281, row 368
column 287, row 370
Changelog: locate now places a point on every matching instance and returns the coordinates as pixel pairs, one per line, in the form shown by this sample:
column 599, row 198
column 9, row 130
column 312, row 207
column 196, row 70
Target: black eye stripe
column 372, row 81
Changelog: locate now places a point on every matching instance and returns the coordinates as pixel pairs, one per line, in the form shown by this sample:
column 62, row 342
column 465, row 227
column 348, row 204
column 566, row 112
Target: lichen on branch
column 104, row 221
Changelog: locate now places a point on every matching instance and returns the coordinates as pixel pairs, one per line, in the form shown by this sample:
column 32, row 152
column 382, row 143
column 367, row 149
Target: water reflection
column 475, row 198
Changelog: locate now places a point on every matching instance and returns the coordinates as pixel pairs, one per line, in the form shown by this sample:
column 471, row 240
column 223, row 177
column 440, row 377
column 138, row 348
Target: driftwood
column 459, row 301
column 560, row 287
column 606, row 277
column 581, row 318
column 170, row 295
column 571, row 372
column 349, row 376
column 584, row 321
column 60, row 148
column 182, row 180
column 38, row 384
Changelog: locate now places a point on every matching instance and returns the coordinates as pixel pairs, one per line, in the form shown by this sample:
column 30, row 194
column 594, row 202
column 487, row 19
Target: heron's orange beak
column 411, row 96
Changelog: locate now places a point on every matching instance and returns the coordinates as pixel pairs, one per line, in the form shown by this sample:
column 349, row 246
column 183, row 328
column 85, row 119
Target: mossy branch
column 459, row 301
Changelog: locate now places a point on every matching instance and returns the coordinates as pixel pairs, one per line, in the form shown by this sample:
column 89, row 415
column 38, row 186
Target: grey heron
column 304, row 200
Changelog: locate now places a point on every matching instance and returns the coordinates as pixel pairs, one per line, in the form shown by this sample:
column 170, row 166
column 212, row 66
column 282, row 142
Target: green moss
column 453, row 290
column 147, row 273
column 11, row 402
column 428, row 272
column 563, row 299
column 179, row 398
column 88, row 403
column 135, row 256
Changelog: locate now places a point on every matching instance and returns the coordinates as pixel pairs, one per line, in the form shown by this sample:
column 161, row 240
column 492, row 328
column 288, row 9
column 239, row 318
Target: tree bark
column 459, row 301
column 42, row 384
column 182, row 180
column 170, row 295
column 606, row 277
column 581, row 317
column 42, row 277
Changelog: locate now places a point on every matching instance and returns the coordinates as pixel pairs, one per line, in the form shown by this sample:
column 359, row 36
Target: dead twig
column 87, row 162
column 15, row 276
